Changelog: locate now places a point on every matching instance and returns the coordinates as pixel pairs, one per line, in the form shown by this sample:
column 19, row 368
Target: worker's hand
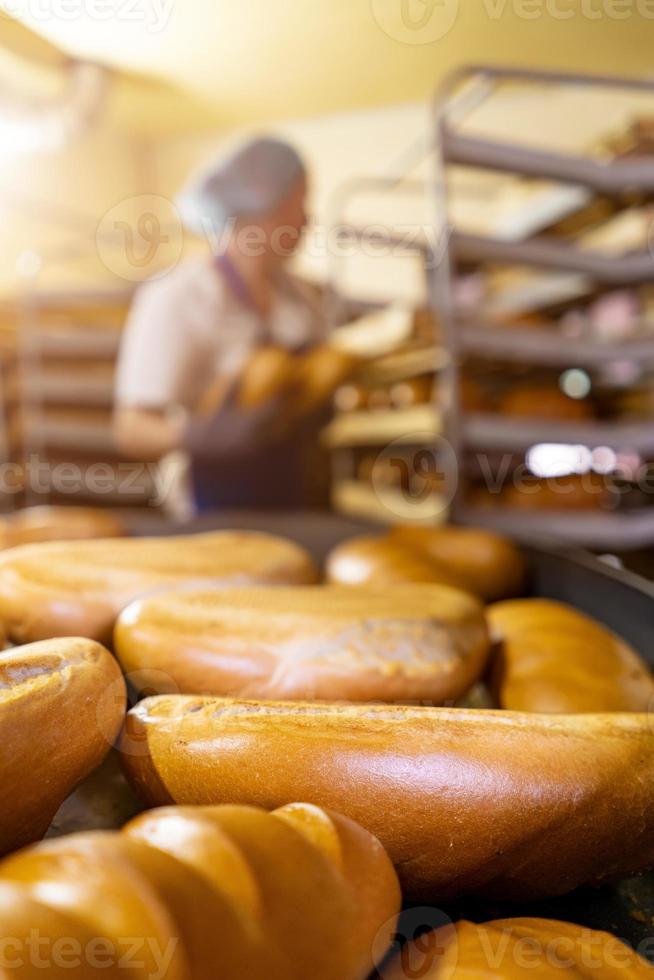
column 232, row 430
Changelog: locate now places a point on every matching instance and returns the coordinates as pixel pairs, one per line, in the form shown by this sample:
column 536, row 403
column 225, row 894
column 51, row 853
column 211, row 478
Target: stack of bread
column 313, row 765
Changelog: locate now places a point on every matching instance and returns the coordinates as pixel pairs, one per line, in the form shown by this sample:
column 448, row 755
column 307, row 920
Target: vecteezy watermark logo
column 416, row 21
column 153, row 15
column 421, row 937
column 140, row 238
column 416, row 472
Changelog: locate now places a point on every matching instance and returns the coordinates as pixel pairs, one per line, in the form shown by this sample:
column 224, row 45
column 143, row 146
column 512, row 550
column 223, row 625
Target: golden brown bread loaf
column 57, row 589
column 552, row 658
column 62, row 704
column 318, row 374
column 382, row 562
column 485, row 563
column 507, row 949
column 494, row 802
column 477, row 561
column 270, row 372
column 567, row 493
column 543, row 402
column 416, row 642
column 203, row 893
column 59, row 524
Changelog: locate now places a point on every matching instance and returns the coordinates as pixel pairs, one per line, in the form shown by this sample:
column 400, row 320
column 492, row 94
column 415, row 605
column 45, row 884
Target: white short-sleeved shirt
column 187, row 328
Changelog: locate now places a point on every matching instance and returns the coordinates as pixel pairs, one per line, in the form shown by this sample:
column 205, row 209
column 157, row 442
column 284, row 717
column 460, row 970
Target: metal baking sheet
column 621, row 600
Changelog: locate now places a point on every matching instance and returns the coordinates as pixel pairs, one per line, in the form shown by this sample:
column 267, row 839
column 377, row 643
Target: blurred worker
column 195, row 329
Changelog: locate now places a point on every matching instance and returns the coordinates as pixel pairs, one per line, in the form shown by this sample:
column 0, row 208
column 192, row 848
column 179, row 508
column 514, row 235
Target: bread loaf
column 543, row 402
column 381, row 561
column 62, row 704
column 57, row 589
column 493, row 802
column 552, row 658
column 270, row 372
column 205, row 893
column 485, row 563
column 416, row 642
column 59, row 524
column 480, row 562
column 507, row 949
column 318, row 374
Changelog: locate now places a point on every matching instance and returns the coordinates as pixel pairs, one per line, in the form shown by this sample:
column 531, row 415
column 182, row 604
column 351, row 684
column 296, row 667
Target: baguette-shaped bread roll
column 270, row 372
column 553, row 658
column 493, row 802
column 200, row 893
column 60, row 524
column 318, row 374
column 62, row 704
column 508, row 949
column 485, row 563
column 62, row 588
column 416, row 642
column 380, row 561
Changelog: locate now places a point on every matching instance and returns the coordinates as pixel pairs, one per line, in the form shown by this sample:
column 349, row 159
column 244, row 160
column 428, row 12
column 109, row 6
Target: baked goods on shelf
column 478, row 561
column 543, row 402
column 206, row 892
column 553, row 658
column 588, row 491
column 63, row 588
column 51, row 523
column 498, row 803
column 507, row 949
column 62, row 703
column 416, row 642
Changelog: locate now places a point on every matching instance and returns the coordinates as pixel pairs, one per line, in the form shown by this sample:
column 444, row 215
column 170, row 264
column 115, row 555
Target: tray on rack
column 620, row 599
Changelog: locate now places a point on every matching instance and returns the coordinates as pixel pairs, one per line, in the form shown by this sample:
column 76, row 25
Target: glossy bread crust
column 62, row 704
column 78, row 588
column 510, row 949
column 498, row 803
column 205, row 892
column 416, row 642
column 553, row 658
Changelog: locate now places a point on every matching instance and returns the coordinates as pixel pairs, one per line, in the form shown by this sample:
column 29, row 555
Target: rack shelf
column 497, row 432
column 543, row 346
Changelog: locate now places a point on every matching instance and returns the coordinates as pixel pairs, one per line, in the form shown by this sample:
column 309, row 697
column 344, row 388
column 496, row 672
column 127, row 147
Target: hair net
column 249, row 181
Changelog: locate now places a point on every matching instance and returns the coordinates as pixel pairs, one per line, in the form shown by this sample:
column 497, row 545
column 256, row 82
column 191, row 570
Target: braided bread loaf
column 204, row 893
column 493, row 802
column 555, row 659
column 507, row 949
column 63, row 588
column 325, row 642
column 62, row 703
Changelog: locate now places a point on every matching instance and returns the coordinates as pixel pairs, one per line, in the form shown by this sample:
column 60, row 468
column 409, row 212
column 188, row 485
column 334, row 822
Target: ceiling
column 183, row 63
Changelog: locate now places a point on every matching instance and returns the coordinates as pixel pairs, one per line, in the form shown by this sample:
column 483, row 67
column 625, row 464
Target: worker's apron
column 268, row 478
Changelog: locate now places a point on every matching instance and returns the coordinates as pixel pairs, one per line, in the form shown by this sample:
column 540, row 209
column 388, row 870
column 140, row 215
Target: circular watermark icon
column 416, row 472
column 140, row 237
column 421, row 938
column 416, row 21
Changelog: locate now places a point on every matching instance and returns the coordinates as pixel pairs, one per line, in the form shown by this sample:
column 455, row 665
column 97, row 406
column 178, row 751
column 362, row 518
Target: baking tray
column 620, row 599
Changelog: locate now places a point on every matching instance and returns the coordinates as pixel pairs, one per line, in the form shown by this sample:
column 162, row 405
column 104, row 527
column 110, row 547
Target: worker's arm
column 147, row 434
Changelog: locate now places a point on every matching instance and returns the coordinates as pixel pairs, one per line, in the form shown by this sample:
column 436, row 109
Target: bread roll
column 318, row 374
column 60, row 524
column 416, row 642
column 507, row 949
column 543, row 402
column 204, row 893
column 508, row 805
column 61, row 588
column 382, row 562
column 566, row 493
column 478, row 561
column 270, row 372
column 62, row 703
column 554, row 659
